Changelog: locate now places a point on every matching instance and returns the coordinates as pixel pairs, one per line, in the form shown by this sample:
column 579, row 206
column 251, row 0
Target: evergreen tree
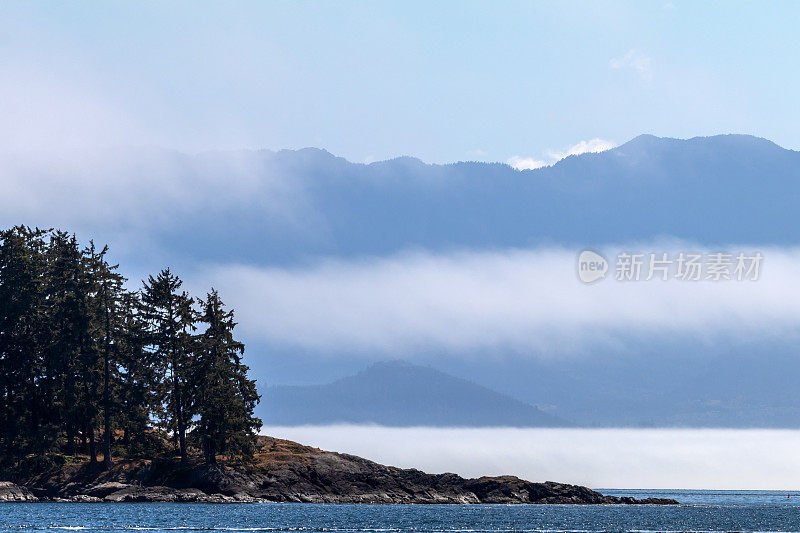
column 78, row 351
column 22, row 365
column 225, row 397
column 172, row 322
column 107, row 288
column 138, row 374
column 68, row 319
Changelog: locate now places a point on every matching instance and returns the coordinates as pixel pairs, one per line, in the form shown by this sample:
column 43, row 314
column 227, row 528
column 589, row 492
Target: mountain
column 292, row 208
column 284, row 207
column 397, row 393
column 708, row 190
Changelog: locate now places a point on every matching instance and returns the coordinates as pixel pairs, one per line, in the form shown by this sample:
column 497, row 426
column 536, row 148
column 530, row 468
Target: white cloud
column 611, row 458
column 595, row 145
column 591, row 146
column 525, row 163
column 637, row 61
column 526, row 300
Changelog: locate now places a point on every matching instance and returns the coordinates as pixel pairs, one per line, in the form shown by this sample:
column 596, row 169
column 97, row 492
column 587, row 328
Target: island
column 285, row 471
column 117, row 394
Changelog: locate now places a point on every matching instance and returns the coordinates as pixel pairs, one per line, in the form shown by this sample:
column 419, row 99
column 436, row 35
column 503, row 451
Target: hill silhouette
column 397, row 393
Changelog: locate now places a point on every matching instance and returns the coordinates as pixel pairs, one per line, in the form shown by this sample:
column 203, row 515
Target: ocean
column 699, row 511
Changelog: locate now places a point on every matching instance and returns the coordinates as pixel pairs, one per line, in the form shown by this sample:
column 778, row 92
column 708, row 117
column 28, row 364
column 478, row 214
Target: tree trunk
column 179, row 422
column 70, row 439
column 92, row 445
column 211, row 452
column 182, row 435
column 106, row 417
column 107, row 389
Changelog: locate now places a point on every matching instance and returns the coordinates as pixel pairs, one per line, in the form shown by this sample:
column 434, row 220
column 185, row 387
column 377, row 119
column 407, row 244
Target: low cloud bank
column 609, row 458
column 530, row 301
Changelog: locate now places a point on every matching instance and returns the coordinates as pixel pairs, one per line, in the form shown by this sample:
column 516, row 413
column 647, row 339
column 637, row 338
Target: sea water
column 699, row 511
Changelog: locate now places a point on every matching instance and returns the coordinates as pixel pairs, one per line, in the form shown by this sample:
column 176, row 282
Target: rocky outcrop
column 285, row 471
column 9, row 492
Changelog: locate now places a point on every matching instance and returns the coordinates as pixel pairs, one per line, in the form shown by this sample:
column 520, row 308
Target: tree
column 68, row 318
column 138, row 394
column 77, row 350
column 107, row 289
column 172, row 323
column 225, row 397
column 23, row 408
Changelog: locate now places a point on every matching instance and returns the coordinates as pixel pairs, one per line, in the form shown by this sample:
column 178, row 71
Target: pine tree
column 138, row 374
column 107, row 288
column 22, row 297
column 68, row 319
column 172, row 321
column 77, row 351
column 92, row 348
column 226, row 398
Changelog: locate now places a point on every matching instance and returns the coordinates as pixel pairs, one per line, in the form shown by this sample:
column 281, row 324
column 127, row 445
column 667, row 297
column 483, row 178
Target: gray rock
column 10, row 492
column 83, row 498
column 101, row 490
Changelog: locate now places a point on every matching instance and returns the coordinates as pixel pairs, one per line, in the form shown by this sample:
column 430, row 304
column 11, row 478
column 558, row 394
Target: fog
column 529, row 301
column 599, row 458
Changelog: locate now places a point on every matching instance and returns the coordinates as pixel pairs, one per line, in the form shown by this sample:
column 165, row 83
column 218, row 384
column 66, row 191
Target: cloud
column 529, row 301
column 618, row 458
column 636, row 61
column 137, row 189
column 525, row 163
column 591, row 146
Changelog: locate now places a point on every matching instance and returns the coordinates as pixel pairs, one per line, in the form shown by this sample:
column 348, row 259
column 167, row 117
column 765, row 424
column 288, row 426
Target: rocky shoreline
column 285, row 471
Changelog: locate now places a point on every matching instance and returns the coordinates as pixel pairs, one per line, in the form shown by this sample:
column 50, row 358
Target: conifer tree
column 79, row 352
column 172, row 321
column 68, row 317
column 226, row 397
column 138, row 374
column 22, row 293
column 107, row 288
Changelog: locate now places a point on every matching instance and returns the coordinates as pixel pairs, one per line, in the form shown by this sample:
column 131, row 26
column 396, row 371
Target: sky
column 526, row 83
column 498, row 81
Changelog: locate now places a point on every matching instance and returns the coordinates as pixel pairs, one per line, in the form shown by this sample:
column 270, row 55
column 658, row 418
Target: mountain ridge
column 398, row 393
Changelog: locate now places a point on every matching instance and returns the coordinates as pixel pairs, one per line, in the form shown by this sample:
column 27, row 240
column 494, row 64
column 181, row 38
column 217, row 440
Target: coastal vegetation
column 92, row 367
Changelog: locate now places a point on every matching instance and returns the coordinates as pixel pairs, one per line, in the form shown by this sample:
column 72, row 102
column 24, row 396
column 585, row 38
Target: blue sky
column 441, row 81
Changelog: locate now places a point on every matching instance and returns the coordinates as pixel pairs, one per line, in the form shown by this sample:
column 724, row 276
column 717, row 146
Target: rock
column 83, row 498
column 101, row 490
column 289, row 472
column 156, row 494
column 10, row 492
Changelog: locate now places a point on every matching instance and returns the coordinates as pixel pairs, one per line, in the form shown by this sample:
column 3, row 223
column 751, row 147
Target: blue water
column 700, row 511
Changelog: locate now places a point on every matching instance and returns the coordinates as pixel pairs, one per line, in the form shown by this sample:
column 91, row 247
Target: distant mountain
column 707, row 189
column 397, row 393
column 308, row 203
